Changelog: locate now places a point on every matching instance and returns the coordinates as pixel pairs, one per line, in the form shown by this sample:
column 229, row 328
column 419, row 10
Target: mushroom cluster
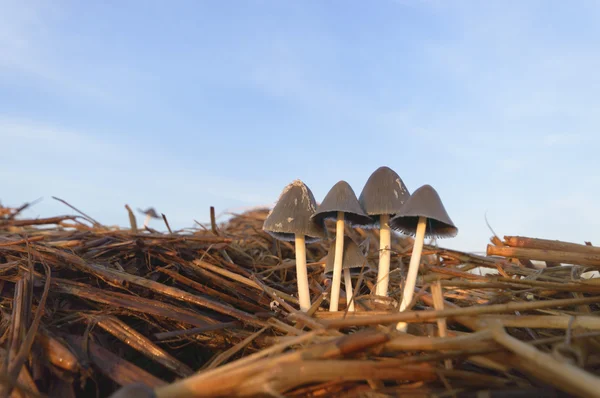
column 383, row 203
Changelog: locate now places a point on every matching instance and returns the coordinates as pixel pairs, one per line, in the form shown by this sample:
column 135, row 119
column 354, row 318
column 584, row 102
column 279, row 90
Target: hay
column 212, row 311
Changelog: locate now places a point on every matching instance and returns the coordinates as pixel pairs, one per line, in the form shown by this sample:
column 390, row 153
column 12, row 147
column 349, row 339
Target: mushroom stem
column 147, row 220
column 302, row 274
column 385, row 239
column 337, row 264
column 349, row 290
column 413, row 269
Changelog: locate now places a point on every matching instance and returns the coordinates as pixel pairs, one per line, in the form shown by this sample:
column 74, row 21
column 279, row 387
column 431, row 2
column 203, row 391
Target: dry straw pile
column 214, row 312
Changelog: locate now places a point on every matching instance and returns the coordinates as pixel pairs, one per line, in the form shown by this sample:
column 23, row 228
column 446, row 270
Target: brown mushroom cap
column 424, row 202
column 383, row 193
column 353, row 257
column 291, row 215
column 149, row 212
column 341, row 197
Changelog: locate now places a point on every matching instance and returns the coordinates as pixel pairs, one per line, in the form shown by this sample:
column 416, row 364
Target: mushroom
column 422, row 216
column 150, row 213
column 340, row 204
column 382, row 197
column 290, row 220
column 353, row 260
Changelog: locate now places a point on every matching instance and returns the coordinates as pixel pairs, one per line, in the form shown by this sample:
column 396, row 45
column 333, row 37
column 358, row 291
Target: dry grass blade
column 14, row 368
column 563, row 375
column 180, row 295
column 223, row 357
column 116, row 368
column 132, row 303
column 136, row 340
column 109, row 307
column 56, row 352
column 228, row 383
column 416, row 316
column 590, row 259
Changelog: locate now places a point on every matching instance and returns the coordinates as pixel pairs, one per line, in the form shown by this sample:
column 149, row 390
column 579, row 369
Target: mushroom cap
column 352, row 259
column 424, row 202
column 149, row 212
column 341, row 197
column 383, row 193
column 292, row 213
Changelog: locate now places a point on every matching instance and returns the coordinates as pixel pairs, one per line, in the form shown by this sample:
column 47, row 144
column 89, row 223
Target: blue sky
column 187, row 104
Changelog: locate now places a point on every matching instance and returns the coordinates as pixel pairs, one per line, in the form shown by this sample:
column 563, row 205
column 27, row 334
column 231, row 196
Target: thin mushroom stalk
column 291, row 220
column 337, row 265
column 352, row 258
column 385, row 241
column 382, row 197
column 349, row 290
column 413, row 269
column 340, row 204
column 422, row 215
column 302, row 273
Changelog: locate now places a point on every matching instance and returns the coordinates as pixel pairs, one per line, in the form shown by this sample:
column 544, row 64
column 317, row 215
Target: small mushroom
column 150, row 213
column 340, row 204
column 422, row 216
column 353, row 260
column 382, row 197
column 290, row 220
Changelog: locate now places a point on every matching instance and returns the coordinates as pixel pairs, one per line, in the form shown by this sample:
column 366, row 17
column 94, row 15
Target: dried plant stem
column 136, row 340
column 242, row 279
column 438, row 303
column 545, row 244
column 589, row 259
column 560, row 374
column 414, row 316
column 547, row 321
column 224, row 356
column 113, row 366
column 274, row 349
column 14, row 368
column 336, row 281
column 263, row 372
column 132, row 220
column 94, row 222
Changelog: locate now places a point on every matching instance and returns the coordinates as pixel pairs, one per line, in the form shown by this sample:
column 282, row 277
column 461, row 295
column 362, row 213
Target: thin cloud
column 102, row 173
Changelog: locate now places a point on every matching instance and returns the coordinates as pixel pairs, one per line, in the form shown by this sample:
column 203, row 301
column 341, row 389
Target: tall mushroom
column 340, row 204
column 353, row 260
column 422, row 216
column 382, row 197
column 290, row 220
column 150, row 213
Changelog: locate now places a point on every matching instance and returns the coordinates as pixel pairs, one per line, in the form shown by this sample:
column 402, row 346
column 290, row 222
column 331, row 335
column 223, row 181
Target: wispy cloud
column 34, row 48
column 103, row 175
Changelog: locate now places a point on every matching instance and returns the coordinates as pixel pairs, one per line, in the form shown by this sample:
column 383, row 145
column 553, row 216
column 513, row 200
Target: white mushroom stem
column 349, row 290
column 147, row 220
column 302, row 274
column 385, row 242
column 337, row 264
column 413, row 268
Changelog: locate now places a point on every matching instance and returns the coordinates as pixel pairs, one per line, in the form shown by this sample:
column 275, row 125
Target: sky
column 189, row 104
